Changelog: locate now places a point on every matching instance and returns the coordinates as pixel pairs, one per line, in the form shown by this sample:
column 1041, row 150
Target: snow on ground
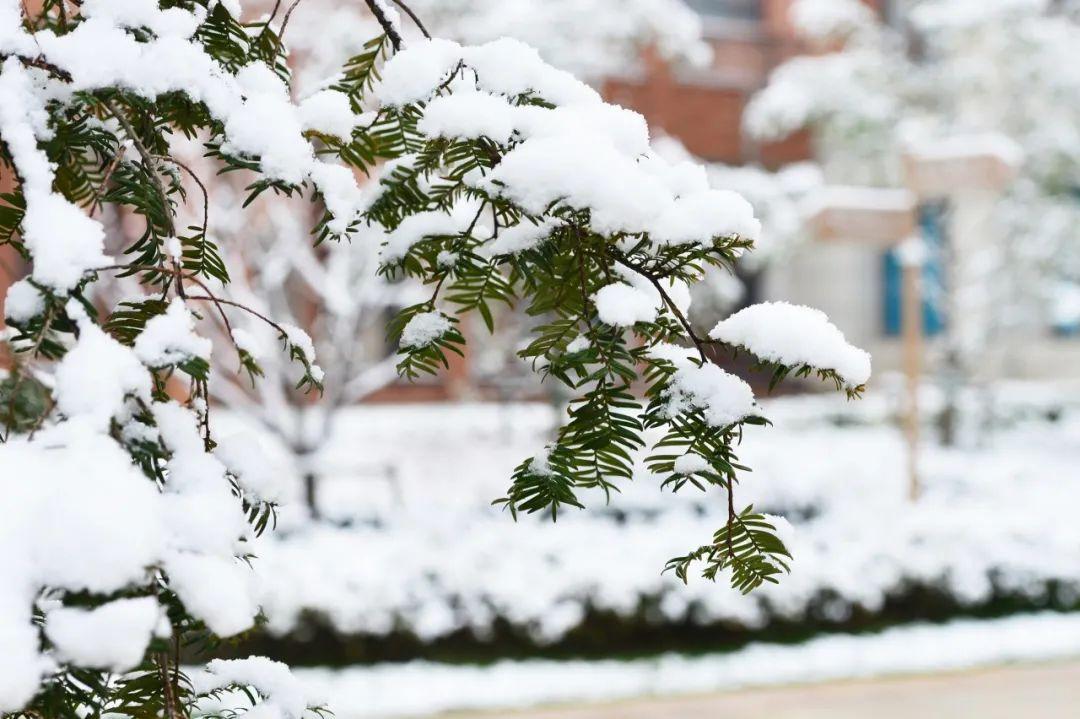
column 423, row 547
column 424, row 688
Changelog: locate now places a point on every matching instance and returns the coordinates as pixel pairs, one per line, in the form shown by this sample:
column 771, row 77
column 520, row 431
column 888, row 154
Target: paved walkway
column 1049, row 691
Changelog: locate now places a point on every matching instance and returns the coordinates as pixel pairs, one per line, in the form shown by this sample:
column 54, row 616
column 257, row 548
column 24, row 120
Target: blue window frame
column 932, row 219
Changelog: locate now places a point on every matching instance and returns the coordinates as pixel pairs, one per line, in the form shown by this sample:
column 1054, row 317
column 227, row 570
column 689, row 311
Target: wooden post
column 886, row 218
column 913, row 347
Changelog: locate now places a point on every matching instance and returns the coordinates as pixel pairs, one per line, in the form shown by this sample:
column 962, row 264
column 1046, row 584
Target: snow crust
column 170, row 338
column 622, row 305
column 582, row 153
column 424, row 328
column 282, row 695
column 794, row 335
column 723, row 398
column 23, row 302
column 113, row 636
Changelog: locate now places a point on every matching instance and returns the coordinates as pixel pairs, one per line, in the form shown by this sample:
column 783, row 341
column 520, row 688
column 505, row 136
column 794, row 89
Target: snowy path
column 426, row 688
column 1047, row 691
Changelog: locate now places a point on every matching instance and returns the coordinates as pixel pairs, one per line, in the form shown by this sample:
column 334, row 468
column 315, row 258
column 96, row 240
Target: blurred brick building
column 703, row 107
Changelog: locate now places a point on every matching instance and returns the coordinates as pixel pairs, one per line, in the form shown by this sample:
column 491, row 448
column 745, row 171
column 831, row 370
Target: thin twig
column 698, row 342
column 202, row 187
column 245, row 308
column 153, row 170
column 285, row 23
column 387, row 26
column 413, row 17
column 100, row 192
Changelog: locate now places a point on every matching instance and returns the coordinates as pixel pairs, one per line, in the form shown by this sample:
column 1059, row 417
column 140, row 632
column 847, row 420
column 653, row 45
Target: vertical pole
column 913, row 341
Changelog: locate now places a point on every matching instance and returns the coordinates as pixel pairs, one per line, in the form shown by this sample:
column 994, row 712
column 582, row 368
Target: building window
column 932, row 218
column 728, row 9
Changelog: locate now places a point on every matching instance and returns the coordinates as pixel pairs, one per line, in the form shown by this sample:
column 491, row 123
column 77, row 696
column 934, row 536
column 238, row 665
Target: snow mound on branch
column 722, row 397
column 636, row 299
column 75, row 514
column 521, row 237
column 170, row 338
column 247, row 456
column 581, row 153
column 328, row 112
column 424, row 328
column 623, row 305
column 113, row 636
column 431, row 223
column 64, row 242
column 794, row 335
column 283, row 697
column 96, row 376
column 23, row 302
column 723, row 212
column 690, row 463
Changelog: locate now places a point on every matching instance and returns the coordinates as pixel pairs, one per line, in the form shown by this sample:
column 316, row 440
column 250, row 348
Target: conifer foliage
column 494, row 180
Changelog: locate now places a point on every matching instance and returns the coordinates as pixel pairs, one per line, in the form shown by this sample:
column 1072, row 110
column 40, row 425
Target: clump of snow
column 623, row 305
column 431, row 223
column 113, row 636
column 424, row 328
column 414, row 73
column 521, row 237
column 218, row 590
column 249, row 342
column 469, row 114
column 23, row 302
column 96, row 376
column 723, row 398
column 64, row 242
column 329, row 113
column 283, row 697
column 794, row 335
column 579, row 343
column 540, row 465
column 170, row 338
column 300, row 339
column 246, row 456
column 690, row 463
column 111, row 531
column 706, row 214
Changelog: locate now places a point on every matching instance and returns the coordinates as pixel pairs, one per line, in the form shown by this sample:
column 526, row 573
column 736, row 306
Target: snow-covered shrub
column 440, row 565
column 126, row 527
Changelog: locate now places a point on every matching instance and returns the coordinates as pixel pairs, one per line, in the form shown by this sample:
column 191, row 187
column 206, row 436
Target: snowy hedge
column 434, row 561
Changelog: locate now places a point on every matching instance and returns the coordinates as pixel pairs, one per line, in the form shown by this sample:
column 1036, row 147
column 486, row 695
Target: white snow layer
column 443, row 560
column 794, row 335
column 424, row 328
column 423, row 688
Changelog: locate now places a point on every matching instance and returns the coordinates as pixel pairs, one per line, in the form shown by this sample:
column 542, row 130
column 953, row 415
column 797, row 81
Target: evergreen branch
column 655, row 281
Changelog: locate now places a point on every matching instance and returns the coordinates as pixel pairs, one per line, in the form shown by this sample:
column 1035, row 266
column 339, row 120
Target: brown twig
column 153, row 170
column 655, row 281
column 202, row 187
column 100, row 192
column 387, row 26
column 413, row 17
column 285, row 22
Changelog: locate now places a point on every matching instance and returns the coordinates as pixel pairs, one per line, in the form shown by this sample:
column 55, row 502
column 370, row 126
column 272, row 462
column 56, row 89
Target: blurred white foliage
column 592, row 39
column 856, row 536
column 948, row 68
